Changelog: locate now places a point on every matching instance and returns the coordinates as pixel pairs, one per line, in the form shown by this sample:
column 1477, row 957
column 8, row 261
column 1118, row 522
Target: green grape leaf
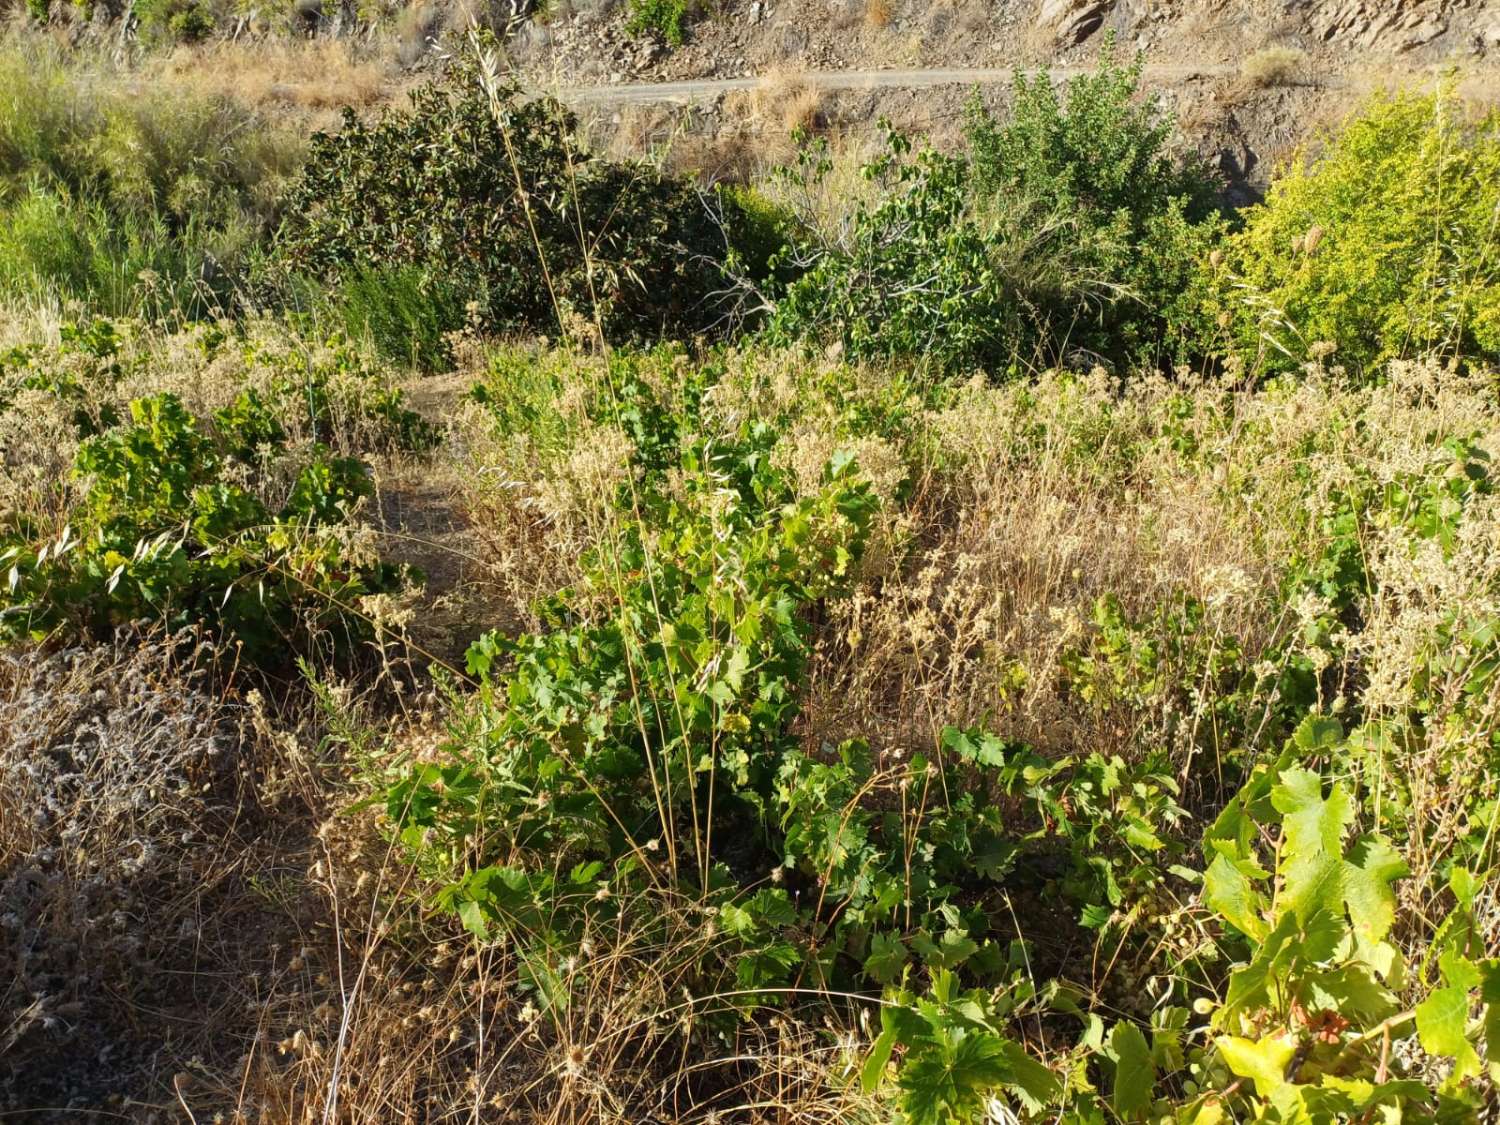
column 947, row 1079
column 1369, row 870
column 1312, row 851
column 1135, row 1071
column 1350, row 990
column 886, row 960
column 1443, row 1018
column 1263, row 1061
column 1318, row 734
column 1228, row 891
column 1031, row 1081
column 471, row 914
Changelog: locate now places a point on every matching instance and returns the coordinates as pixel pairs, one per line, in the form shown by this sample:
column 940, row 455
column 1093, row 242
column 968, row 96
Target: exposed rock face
column 1072, row 21
column 1401, row 26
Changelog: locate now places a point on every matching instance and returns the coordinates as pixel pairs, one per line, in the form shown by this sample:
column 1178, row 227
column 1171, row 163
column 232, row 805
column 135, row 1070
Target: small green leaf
column 888, row 957
column 1443, row 1018
column 880, row 1054
column 1228, row 892
column 471, row 914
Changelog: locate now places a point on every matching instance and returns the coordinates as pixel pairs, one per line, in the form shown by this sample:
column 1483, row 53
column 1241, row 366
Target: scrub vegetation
column 490, row 631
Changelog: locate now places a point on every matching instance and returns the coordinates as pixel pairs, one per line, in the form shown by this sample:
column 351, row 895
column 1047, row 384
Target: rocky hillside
column 587, row 41
column 1250, row 80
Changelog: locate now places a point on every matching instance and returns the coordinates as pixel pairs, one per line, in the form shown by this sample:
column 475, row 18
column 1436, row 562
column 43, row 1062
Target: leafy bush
column 643, row 755
column 657, row 707
column 1382, row 246
column 495, row 200
column 667, row 18
column 182, row 21
column 1091, row 179
column 1068, row 228
column 918, row 277
column 161, row 532
column 1303, row 1030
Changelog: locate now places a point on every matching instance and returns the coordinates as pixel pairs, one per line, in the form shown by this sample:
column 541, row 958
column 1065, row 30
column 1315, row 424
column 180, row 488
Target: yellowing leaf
column 1370, row 869
column 1263, row 1061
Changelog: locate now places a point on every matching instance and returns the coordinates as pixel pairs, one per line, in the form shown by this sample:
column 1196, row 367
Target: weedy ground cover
column 894, row 729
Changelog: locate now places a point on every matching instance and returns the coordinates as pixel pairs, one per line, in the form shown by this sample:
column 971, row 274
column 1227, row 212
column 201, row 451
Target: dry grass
column 315, row 76
column 783, row 101
column 290, row 970
column 1274, row 66
column 878, row 13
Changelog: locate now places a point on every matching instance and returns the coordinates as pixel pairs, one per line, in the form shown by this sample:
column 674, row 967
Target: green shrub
column 918, row 278
column 1113, row 222
column 1384, row 245
column 126, row 203
column 1302, row 1031
column 405, row 311
column 658, row 708
column 667, row 18
column 499, row 202
column 1069, row 228
column 161, row 533
column 173, row 21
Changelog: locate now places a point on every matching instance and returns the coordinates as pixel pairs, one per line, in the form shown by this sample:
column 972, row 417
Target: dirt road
column 638, row 93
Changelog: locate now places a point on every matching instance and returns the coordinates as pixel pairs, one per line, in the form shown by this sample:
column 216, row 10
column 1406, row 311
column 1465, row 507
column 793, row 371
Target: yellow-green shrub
column 1385, row 245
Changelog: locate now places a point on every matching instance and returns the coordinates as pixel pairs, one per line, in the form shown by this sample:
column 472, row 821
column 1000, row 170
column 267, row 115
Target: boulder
column 1072, row 21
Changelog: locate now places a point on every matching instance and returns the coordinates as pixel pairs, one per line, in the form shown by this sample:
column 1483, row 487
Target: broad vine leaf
column 886, row 960
column 1031, row 1081
column 1370, row 869
column 471, row 914
column 1312, row 844
column 1443, row 1018
column 1352, row 991
column 1318, row 734
column 1229, row 893
column 1135, row 1071
column 950, row 1077
column 1263, row 1061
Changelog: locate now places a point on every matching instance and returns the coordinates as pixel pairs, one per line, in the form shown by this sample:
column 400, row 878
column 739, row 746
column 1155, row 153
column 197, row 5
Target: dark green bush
column 498, row 202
